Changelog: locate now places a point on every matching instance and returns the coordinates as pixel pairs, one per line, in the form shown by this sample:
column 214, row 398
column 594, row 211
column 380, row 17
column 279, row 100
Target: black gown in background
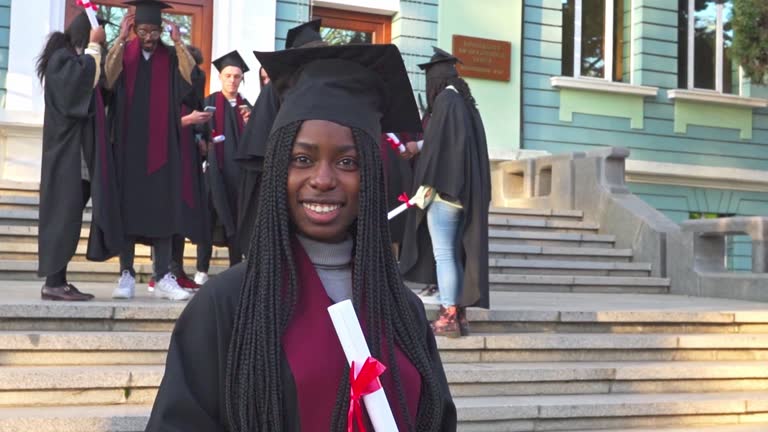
column 191, row 396
column 224, row 176
column 74, row 128
column 151, row 203
column 250, row 155
column 455, row 162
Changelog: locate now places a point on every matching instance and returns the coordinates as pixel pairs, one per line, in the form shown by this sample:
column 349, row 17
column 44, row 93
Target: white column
column 247, row 26
column 31, row 22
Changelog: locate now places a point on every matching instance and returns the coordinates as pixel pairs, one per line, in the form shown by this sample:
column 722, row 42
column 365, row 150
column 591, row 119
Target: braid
column 254, row 393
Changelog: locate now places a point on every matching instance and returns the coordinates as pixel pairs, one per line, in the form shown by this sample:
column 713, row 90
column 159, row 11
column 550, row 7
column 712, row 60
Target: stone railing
column 592, row 182
column 706, row 274
column 691, row 256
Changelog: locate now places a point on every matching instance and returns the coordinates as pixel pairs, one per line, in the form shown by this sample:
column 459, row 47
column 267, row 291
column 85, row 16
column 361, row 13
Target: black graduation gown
column 194, row 193
column 73, row 123
column 455, row 162
column 191, row 395
column 224, row 176
column 250, row 155
column 151, row 204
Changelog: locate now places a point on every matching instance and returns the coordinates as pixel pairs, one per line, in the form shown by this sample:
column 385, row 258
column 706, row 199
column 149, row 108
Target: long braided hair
column 254, row 391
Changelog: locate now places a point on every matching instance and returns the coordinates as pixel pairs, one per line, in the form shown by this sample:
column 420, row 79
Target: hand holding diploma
column 364, row 372
column 394, row 141
column 421, row 199
column 90, row 11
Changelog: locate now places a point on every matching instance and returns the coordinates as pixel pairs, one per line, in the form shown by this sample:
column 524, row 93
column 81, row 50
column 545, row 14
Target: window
column 705, row 37
column 596, row 39
column 344, row 27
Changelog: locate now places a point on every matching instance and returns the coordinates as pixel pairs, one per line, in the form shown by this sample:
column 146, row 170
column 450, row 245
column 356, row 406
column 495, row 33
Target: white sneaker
column 126, row 286
column 201, row 278
column 168, row 288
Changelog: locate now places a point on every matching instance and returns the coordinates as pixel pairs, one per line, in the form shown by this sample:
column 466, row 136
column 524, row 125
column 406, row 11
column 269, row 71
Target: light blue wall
column 5, row 27
column 655, row 62
column 414, row 31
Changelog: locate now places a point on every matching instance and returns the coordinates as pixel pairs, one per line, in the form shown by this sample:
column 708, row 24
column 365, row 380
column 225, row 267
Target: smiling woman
column 273, row 361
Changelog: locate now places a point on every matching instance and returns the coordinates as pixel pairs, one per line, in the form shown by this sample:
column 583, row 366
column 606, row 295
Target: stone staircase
column 580, row 338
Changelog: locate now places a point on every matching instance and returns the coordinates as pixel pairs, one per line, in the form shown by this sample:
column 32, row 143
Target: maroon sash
column 219, row 118
column 317, row 360
column 157, row 145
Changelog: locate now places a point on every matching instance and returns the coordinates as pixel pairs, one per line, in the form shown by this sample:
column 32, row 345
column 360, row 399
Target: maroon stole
column 218, row 119
column 187, row 164
column 157, row 145
column 317, row 360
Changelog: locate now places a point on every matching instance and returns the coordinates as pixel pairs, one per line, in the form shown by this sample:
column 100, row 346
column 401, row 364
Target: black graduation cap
column 303, row 34
column 148, row 11
column 440, row 56
column 361, row 86
column 81, row 25
column 231, row 59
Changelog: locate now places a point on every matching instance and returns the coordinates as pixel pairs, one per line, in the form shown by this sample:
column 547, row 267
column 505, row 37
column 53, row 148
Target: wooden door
column 344, row 27
column 194, row 18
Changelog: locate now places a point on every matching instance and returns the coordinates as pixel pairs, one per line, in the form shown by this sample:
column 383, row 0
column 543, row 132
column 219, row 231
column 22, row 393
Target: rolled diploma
column 401, row 208
column 356, row 349
column 91, row 14
column 394, row 138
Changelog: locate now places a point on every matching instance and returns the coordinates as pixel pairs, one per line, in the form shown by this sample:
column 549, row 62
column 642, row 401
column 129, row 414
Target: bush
column 750, row 40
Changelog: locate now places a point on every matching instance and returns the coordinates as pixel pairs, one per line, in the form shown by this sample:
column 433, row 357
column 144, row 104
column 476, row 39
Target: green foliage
column 750, row 43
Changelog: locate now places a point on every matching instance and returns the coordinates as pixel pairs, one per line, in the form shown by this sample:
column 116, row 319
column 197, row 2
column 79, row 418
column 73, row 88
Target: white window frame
column 719, row 52
column 608, row 37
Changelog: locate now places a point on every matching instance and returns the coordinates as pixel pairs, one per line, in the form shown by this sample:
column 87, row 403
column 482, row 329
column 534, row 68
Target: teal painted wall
column 5, row 28
column 655, row 64
column 414, row 31
column 678, row 202
column 498, row 101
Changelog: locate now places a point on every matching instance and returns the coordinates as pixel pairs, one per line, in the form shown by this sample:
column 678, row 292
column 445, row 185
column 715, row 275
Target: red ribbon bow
column 394, row 144
column 86, row 4
column 403, row 198
column 366, row 382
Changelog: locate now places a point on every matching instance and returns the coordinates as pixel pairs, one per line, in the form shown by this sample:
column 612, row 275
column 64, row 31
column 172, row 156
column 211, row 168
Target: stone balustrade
column 709, row 241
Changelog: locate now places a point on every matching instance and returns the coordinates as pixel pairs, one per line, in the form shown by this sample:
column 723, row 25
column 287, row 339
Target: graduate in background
column 223, row 173
column 450, row 239
column 76, row 162
column 271, row 359
column 150, row 82
column 254, row 140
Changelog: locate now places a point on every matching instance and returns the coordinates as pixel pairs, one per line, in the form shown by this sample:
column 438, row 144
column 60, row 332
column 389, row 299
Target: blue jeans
column 443, row 222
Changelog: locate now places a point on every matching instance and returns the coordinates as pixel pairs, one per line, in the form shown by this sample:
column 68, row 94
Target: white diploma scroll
column 420, row 200
column 90, row 11
column 395, row 140
column 356, row 350
column 401, row 208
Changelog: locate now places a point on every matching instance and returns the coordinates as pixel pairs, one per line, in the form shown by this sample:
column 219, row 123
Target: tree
column 750, row 41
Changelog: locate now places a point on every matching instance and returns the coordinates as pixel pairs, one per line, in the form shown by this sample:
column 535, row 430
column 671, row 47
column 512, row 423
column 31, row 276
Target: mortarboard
column 360, row 86
column 440, row 56
column 231, row 59
column 303, row 34
column 148, row 11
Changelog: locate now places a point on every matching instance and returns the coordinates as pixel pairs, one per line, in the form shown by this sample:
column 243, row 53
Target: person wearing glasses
column 150, row 81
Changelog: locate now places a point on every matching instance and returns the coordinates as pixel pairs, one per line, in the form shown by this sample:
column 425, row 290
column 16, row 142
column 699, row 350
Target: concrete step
column 79, row 385
column 596, row 412
column 558, row 267
column 20, row 348
column 581, row 284
column 489, row 414
column 512, row 312
column 511, row 251
column 751, row 427
column 539, row 238
column 137, row 384
column 547, row 225
column 552, row 378
column 533, row 213
column 571, row 347
column 87, row 271
column 28, row 251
